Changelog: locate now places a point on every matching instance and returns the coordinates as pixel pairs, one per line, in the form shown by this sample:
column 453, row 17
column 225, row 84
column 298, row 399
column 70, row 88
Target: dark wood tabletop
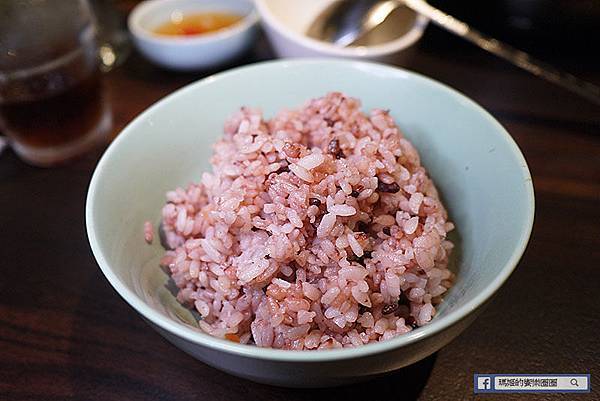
column 66, row 334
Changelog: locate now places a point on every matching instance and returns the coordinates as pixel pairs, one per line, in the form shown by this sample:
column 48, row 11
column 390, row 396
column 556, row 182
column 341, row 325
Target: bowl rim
column 138, row 30
column 205, row 340
column 403, row 42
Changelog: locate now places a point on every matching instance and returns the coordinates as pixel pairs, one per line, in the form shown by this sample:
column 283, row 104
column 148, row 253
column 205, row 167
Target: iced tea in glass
column 52, row 106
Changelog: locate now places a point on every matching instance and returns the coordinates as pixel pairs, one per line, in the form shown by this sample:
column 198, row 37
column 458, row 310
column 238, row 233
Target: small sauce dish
column 193, row 48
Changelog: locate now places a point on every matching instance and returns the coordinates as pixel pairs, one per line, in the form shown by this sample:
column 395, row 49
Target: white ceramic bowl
column 191, row 52
column 285, row 22
column 479, row 170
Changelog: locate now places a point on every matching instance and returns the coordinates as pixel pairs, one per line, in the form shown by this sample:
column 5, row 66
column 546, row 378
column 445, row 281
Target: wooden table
column 66, row 334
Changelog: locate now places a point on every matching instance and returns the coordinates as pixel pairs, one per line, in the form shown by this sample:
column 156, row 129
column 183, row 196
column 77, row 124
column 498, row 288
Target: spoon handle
column 507, row 52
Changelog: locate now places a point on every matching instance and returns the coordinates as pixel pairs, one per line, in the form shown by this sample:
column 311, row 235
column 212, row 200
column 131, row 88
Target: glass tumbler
column 52, row 106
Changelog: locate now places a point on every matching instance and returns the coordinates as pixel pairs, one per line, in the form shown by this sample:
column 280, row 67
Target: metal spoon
column 345, row 22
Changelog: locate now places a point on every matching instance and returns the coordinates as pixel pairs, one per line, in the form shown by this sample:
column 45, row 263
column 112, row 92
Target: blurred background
column 562, row 31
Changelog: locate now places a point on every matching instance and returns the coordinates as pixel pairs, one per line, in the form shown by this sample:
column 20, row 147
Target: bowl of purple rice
column 310, row 223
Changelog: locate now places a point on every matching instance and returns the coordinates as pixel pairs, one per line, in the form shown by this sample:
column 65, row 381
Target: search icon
column 574, row 383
